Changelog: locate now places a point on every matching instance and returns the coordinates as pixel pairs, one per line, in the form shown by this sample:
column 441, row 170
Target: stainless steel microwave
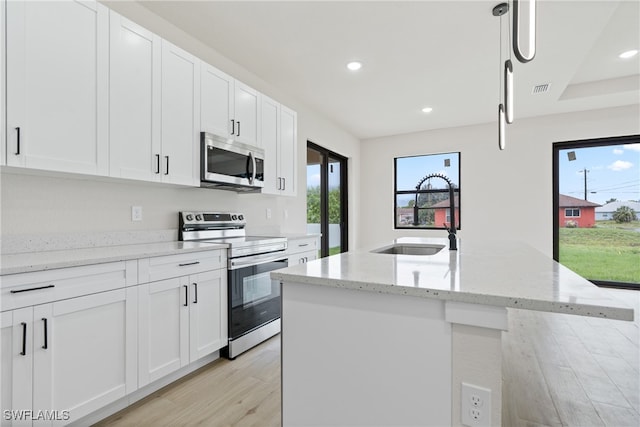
column 230, row 165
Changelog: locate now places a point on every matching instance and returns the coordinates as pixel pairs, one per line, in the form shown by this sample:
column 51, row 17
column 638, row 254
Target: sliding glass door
column 597, row 209
column 327, row 198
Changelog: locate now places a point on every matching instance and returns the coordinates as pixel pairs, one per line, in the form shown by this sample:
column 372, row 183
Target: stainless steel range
column 254, row 299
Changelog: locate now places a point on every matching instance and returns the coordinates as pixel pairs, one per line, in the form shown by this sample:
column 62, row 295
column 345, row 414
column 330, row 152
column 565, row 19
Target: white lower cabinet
column 181, row 319
column 302, row 250
column 66, row 359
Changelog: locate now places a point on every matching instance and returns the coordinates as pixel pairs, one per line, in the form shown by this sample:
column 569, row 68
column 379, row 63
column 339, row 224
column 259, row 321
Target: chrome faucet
column 453, row 242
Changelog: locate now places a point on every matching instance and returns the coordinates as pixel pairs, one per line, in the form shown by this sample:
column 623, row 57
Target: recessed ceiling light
column 628, row 54
column 427, row 109
column 354, row 65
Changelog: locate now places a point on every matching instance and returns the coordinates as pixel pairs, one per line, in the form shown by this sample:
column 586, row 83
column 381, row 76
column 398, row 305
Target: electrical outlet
column 285, row 214
column 136, row 213
column 268, row 213
column 476, row 405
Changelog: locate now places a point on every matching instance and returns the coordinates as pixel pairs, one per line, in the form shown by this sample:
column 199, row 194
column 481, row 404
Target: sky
column 613, row 172
column 313, row 175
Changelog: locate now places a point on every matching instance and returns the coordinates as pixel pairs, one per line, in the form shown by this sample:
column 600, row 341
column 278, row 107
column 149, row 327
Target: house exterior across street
column 574, row 212
column 605, row 212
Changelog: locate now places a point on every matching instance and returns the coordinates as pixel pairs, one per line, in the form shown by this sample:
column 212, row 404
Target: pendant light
column 505, row 85
column 524, row 18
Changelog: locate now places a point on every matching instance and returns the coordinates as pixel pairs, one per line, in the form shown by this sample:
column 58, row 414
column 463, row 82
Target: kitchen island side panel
column 361, row 358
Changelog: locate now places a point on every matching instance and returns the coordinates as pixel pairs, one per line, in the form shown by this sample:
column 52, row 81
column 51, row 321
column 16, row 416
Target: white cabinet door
column 270, row 130
column 246, row 117
column 163, row 328
column 278, row 128
column 16, row 363
column 216, row 101
column 288, row 151
column 180, row 116
column 84, row 352
column 57, row 85
column 207, row 322
column 134, row 125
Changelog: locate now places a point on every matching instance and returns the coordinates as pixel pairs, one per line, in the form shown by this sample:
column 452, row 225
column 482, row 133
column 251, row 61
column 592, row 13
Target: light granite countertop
column 47, row 260
column 505, row 274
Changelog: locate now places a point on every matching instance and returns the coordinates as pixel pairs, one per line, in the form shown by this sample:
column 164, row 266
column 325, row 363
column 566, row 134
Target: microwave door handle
column 253, row 161
column 251, row 172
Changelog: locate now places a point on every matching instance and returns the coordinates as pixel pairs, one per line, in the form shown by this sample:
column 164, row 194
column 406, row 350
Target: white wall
column 505, row 194
column 55, row 203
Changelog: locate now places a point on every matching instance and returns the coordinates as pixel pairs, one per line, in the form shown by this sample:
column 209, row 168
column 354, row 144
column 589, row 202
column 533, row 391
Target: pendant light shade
column 508, row 91
column 524, row 29
column 501, row 127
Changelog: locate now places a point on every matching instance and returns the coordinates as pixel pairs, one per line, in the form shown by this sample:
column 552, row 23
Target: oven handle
column 248, row 261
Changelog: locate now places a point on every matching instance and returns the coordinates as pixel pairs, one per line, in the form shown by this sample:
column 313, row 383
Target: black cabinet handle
column 157, row 163
column 167, row 172
column 24, row 339
column 233, row 127
column 186, row 295
column 45, row 346
column 18, row 142
column 195, row 299
column 238, row 134
column 284, row 183
column 189, row 263
column 303, row 244
column 279, row 183
column 17, row 291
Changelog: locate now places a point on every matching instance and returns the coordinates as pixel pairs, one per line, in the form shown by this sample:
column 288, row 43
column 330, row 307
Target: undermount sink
column 409, row 249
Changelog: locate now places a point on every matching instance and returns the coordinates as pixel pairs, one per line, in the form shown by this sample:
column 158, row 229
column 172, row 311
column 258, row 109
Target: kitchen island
column 384, row 339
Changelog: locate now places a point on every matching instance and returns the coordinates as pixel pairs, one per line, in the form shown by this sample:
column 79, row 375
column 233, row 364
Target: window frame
column 572, row 212
column 564, row 145
column 456, row 190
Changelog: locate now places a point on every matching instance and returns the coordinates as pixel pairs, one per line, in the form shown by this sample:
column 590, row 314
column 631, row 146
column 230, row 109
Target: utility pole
column 585, row 171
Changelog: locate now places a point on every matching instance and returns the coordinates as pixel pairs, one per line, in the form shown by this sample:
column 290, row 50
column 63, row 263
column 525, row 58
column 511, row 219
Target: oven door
column 254, row 299
column 230, row 162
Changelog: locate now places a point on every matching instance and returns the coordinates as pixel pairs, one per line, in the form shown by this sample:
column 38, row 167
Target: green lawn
column 609, row 251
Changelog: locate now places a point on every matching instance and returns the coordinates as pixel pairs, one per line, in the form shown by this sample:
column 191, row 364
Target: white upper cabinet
column 216, row 101
column 57, row 86
column 134, row 124
column 229, row 107
column 246, row 114
column 180, row 116
column 288, row 150
column 278, row 128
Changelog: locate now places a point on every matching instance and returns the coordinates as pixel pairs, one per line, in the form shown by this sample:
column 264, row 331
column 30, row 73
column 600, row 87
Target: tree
column 313, row 205
column 624, row 214
column 613, row 199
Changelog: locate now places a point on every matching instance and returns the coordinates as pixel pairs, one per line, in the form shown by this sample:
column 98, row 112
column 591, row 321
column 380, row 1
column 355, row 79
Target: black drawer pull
column 195, row 297
column 157, row 163
column 45, row 346
column 305, row 244
column 186, row 295
column 17, row 291
column 24, row 339
column 189, row 263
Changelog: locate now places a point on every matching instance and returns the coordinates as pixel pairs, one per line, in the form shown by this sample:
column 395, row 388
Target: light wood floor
column 558, row 370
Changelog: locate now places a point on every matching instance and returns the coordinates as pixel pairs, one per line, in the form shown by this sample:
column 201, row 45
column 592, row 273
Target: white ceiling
column 442, row 54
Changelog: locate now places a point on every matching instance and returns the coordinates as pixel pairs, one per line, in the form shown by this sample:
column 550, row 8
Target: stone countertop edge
column 49, row 260
column 616, row 313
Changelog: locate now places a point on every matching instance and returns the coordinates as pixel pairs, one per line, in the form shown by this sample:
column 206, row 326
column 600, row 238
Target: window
column 572, row 212
column 422, row 191
column 596, row 209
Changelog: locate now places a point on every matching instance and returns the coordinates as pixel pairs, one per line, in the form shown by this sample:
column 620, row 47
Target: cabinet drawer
column 302, row 257
column 166, row 267
column 40, row 287
column 302, row 245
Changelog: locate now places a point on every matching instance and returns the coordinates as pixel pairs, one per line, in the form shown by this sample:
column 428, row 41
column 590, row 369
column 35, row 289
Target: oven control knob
column 189, row 217
column 234, row 217
column 198, row 217
column 240, row 217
